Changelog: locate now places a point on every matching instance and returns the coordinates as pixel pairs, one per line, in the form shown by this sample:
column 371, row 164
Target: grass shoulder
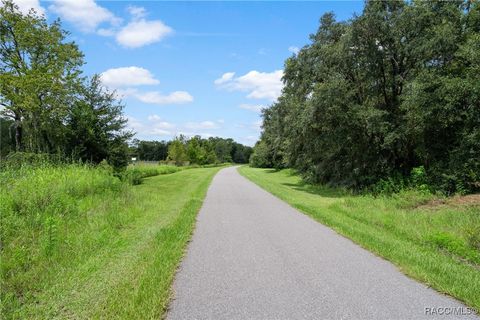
column 436, row 244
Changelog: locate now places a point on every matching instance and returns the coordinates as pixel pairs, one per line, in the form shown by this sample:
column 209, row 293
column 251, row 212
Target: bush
column 260, row 158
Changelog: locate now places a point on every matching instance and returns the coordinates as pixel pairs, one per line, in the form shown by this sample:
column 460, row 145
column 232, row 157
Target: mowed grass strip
column 110, row 250
column 437, row 245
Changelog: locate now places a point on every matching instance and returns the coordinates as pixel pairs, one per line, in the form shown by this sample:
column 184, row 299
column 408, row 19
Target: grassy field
column 434, row 240
column 80, row 243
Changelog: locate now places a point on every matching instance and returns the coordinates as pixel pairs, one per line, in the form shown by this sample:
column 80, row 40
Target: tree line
column 393, row 90
column 193, row 150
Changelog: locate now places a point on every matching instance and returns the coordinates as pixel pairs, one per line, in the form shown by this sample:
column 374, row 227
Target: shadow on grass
column 320, row 190
column 272, row 170
column 317, row 189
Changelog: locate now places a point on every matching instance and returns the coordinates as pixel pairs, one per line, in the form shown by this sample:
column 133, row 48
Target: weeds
column 74, row 236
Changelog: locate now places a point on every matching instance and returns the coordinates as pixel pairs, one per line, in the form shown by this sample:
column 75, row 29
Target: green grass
column 79, row 243
column 136, row 173
column 439, row 246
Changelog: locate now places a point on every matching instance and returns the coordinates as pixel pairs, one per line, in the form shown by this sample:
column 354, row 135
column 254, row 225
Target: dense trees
column 48, row 106
column 39, row 74
column 207, row 151
column 194, row 150
column 150, row 150
column 395, row 88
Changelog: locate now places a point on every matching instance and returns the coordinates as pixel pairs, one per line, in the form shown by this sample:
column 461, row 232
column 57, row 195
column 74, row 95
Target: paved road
column 252, row 256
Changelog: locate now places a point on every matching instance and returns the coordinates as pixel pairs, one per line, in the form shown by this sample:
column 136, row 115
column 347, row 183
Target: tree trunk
column 18, row 132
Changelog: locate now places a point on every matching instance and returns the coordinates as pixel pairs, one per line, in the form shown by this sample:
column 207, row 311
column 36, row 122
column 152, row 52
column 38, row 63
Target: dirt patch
column 456, row 201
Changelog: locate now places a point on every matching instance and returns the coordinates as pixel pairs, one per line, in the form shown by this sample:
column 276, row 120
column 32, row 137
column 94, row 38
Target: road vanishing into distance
column 252, row 256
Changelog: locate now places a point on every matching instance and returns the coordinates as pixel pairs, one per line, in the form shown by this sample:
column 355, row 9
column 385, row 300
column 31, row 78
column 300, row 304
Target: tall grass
column 39, row 207
column 78, row 242
column 135, row 174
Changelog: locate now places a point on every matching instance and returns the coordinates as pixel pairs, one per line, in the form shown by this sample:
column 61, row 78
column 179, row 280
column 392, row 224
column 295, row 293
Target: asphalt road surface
column 252, row 256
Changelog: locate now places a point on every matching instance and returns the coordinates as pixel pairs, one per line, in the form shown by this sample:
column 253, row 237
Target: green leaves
column 390, row 90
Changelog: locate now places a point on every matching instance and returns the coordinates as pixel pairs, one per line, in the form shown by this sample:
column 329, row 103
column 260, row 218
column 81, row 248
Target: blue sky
column 191, row 67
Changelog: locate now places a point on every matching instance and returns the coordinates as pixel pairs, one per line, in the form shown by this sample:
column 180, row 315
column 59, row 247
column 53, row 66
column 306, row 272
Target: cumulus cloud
column 259, row 85
column 85, row 14
column 140, row 32
column 26, row 5
column 155, row 126
column 226, row 77
column 127, row 76
column 134, row 124
column 253, row 107
column 293, row 49
column 157, row 123
column 201, row 125
column 125, row 81
column 155, row 97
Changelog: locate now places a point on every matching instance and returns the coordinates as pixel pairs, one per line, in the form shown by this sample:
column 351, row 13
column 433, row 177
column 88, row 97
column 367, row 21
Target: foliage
column 150, row 150
column 39, row 74
column 392, row 89
column 177, row 152
column 260, row 157
column 213, row 150
column 95, row 127
column 49, row 107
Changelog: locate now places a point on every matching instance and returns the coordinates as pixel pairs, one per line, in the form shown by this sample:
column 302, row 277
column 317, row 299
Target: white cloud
column 293, row 49
column 125, row 79
column 155, row 97
column 160, row 132
column 158, row 123
column 127, row 76
column 137, row 12
column 140, row 32
column 201, row 125
column 26, row 5
column 259, row 85
column 226, row 77
column 154, row 127
column 106, row 32
column 134, row 124
column 85, row 14
column 154, row 117
column 252, row 107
